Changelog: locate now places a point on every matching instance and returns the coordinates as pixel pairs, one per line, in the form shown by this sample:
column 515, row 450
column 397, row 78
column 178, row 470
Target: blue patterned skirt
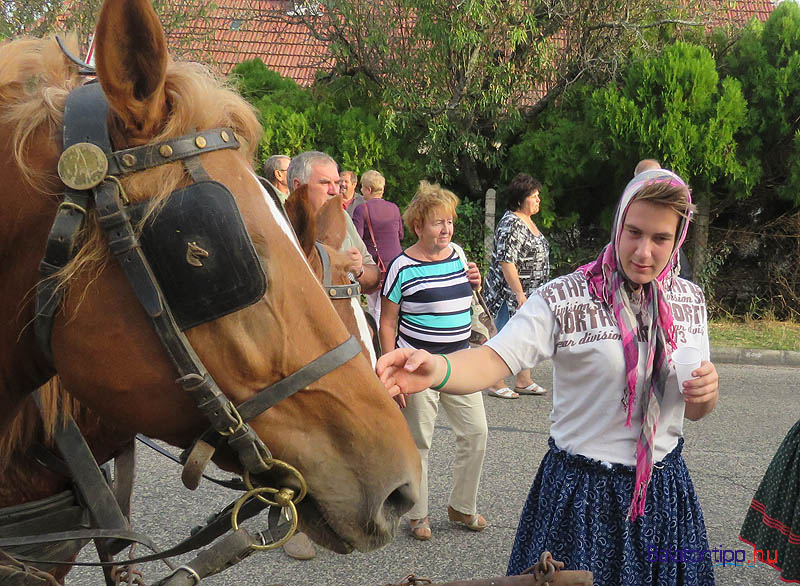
column 577, row 510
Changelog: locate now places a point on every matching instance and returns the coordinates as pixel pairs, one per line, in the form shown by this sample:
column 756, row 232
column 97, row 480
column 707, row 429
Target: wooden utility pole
column 488, row 222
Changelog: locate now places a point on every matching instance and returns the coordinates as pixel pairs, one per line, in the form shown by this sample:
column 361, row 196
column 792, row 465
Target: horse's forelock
column 35, row 80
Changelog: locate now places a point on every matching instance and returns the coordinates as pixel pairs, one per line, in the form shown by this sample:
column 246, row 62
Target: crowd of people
column 613, row 482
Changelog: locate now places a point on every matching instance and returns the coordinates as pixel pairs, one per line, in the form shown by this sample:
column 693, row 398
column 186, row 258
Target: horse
column 327, row 229
column 115, row 374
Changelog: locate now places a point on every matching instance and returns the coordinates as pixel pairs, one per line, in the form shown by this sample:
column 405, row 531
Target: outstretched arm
column 408, row 371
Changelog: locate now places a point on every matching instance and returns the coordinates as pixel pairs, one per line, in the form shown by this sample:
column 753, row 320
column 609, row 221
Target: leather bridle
column 226, row 419
column 347, row 291
column 350, row 290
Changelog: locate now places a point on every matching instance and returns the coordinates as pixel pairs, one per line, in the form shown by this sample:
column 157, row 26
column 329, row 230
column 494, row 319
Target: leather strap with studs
column 189, row 145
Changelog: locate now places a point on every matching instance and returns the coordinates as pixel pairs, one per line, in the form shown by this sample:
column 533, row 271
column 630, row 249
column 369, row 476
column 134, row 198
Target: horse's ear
column 331, row 223
column 301, row 215
column 131, row 60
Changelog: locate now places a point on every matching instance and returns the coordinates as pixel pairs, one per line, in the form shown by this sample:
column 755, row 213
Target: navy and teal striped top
column 434, row 299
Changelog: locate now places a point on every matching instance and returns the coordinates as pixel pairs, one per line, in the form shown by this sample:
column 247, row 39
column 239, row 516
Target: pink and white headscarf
column 607, row 284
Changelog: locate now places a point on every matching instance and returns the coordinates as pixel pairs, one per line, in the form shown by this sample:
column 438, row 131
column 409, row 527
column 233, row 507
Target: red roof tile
column 239, row 30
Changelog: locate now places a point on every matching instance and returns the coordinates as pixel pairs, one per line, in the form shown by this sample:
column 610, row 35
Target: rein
column 90, row 170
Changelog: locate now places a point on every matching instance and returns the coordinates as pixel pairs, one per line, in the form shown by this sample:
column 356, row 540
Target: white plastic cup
column 686, row 359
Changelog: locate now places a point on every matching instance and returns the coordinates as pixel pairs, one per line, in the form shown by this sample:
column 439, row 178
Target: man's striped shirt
column 434, row 299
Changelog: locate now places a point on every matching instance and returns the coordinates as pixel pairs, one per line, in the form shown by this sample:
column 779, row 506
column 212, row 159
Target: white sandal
column 531, row 389
column 504, row 393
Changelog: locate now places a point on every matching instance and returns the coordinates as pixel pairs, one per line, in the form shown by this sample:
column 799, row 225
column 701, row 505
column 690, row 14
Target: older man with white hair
column 321, row 173
column 275, row 170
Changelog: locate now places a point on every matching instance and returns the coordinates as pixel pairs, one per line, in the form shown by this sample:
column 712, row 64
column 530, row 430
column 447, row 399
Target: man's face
column 323, row 183
column 280, row 175
column 348, row 186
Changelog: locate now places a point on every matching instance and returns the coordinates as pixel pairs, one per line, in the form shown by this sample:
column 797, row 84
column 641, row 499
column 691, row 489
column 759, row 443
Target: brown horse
column 328, row 227
column 342, row 431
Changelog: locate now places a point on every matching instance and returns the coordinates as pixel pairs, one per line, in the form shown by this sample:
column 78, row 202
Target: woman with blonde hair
column 379, row 224
column 426, row 305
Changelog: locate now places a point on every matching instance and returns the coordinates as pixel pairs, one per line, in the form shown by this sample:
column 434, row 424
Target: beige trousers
column 468, row 420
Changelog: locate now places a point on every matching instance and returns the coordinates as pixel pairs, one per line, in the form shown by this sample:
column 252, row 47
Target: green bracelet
column 446, row 376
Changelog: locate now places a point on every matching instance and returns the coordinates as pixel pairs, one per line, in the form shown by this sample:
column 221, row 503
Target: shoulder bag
column 482, row 325
column 381, row 264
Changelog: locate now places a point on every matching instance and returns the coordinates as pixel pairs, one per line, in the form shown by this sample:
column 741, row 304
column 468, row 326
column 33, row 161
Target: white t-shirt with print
column 561, row 321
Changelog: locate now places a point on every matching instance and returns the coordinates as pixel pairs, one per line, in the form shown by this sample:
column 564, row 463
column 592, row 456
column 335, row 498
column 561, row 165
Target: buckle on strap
column 189, row 570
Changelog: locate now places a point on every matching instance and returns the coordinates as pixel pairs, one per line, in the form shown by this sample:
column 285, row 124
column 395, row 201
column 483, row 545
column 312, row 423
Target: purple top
column 386, row 224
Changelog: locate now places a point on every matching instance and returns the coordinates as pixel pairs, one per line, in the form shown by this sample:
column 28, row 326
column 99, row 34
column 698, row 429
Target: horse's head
column 341, row 431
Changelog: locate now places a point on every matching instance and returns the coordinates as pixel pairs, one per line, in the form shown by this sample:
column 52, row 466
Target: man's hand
column 356, row 261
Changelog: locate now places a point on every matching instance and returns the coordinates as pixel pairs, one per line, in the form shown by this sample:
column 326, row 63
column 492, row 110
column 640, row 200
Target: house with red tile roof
column 239, row 30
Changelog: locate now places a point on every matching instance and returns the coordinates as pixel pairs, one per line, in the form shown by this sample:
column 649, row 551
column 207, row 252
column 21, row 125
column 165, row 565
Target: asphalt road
column 727, row 454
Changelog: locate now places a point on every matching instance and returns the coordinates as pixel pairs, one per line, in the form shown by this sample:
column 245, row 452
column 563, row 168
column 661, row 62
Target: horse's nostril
column 400, row 501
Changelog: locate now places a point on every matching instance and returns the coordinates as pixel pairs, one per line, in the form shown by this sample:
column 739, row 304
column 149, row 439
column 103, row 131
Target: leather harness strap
column 87, row 477
column 125, row 162
column 284, row 388
column 348, row 291
column 70, row 215
column 219, row 525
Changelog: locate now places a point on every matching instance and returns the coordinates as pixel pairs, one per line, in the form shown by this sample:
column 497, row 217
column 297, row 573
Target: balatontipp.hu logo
column 722, row 558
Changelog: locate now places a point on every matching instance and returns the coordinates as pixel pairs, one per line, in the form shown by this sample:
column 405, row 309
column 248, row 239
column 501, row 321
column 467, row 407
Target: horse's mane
column 36, row 77
column 35, row 80
column 28, row 426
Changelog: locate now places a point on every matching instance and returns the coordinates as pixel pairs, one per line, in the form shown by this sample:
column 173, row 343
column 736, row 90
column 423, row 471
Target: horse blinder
column 201, row 254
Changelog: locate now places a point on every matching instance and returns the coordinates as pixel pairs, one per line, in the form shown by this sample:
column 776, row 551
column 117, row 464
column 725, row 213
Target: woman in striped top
column 425, row 304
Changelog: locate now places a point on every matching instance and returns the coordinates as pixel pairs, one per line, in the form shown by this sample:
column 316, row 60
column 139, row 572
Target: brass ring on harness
column 280, row 464
column 68, row 205
column 257, row 492
column 122, row 195
column 239, row 423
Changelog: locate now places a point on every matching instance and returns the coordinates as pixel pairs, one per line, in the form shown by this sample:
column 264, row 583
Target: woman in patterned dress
column 520, row 263
column 772, row 523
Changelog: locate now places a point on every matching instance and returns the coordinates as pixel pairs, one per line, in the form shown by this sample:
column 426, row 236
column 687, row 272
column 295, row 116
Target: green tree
column 337, row 117
column 463, row 75
column 43, row 17
column 766, row 60
column 673, row 107
column 760, row 234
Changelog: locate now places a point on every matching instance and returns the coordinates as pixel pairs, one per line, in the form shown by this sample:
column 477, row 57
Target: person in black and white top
column 520, row 263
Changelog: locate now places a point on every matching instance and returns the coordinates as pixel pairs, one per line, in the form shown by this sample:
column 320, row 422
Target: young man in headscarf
column 613, row 494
